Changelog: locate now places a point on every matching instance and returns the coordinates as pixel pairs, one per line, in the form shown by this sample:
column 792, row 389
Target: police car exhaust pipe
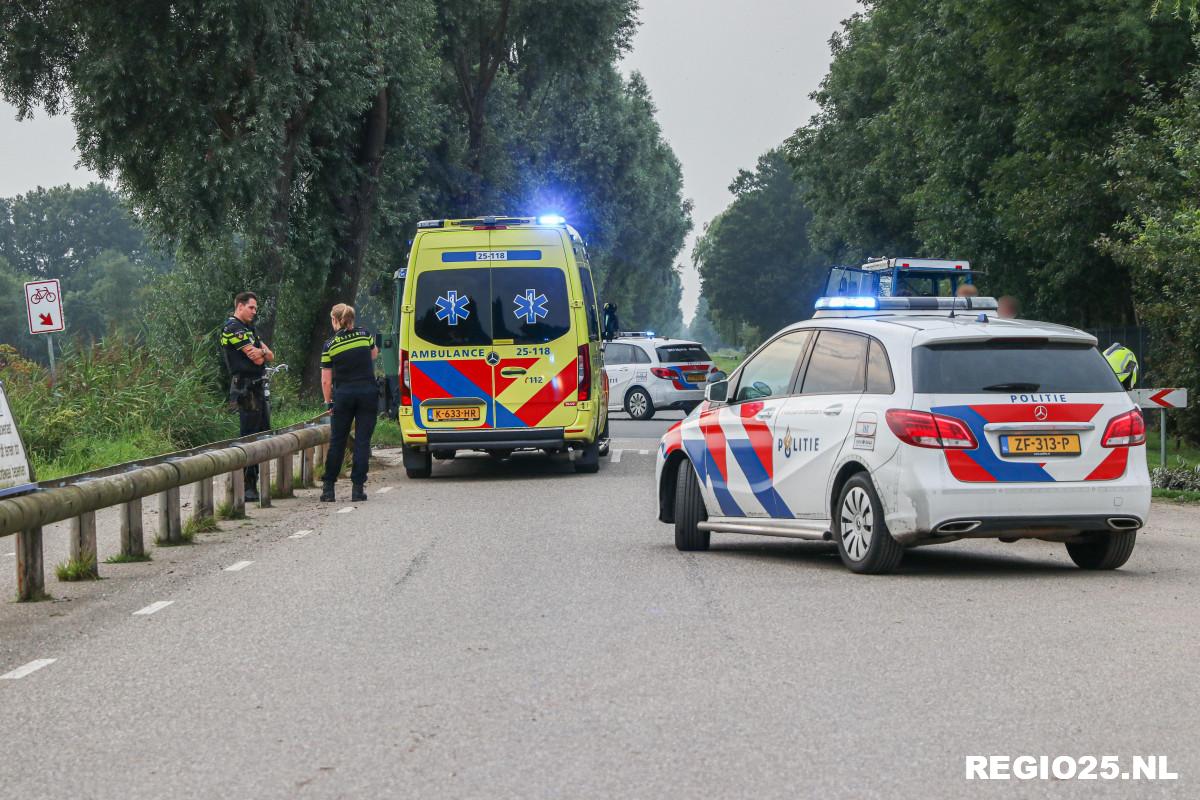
column 1123, row 524
column 957, row 528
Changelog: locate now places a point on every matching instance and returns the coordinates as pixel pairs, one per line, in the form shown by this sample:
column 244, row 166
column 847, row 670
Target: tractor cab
column 900, row 277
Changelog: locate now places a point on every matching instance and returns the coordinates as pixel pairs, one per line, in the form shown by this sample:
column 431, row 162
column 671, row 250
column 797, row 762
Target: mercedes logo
column 493, row 358
column 1041, row 413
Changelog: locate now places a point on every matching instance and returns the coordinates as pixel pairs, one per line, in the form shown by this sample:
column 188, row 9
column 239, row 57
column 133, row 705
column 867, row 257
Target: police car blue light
column 847, row 302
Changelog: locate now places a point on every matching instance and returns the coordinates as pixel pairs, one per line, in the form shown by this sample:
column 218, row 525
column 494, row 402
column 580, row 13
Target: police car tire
column 1106, row 551
column 689, row 511
column 649, row 407
column 883, row 553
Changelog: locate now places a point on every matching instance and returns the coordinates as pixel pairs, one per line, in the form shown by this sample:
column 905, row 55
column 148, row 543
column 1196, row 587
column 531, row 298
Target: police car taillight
column 922, row 429
column 405, row 379
column 584, row 373
column 662, row 372
column 1126, row 430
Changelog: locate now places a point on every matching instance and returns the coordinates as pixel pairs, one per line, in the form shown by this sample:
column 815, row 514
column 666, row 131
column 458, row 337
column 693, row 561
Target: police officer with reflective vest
column 348, row 383
column 1124, row 363
column 246, row 357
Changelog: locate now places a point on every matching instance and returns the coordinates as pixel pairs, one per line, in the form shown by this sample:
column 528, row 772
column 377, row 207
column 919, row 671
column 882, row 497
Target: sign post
column 1162, row 399
column 16, row 476
column 43, row 307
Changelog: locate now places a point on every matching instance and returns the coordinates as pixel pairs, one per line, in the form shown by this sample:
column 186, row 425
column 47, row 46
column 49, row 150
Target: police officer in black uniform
column 246, row 357
column 348, row 383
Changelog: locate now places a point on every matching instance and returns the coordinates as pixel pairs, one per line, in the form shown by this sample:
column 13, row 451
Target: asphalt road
column 515, row 630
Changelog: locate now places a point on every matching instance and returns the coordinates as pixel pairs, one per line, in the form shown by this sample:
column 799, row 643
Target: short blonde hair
column 342, row 314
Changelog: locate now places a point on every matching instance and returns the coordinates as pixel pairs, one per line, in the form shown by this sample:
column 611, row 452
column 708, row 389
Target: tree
column 758, row 271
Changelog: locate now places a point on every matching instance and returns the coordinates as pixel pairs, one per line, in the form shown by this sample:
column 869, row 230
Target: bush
column 1182, row 478
column 112, row 402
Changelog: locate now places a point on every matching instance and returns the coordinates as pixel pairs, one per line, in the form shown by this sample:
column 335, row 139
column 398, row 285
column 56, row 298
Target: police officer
column 348, row 383
column 1124, row 363
column 612, row 327
column 246, row 356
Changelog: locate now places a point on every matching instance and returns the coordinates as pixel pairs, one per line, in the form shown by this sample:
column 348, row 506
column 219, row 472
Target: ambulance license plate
column 470, row 414
column 1056, row 444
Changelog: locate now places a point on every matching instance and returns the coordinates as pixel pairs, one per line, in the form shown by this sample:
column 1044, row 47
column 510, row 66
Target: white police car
column 648, row 373
column 887, row 423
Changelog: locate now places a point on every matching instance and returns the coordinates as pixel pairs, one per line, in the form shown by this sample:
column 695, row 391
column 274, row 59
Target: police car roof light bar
column 906, row 304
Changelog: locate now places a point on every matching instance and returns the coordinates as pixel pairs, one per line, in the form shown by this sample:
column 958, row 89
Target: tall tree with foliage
column 758, row 271
column 979, row 130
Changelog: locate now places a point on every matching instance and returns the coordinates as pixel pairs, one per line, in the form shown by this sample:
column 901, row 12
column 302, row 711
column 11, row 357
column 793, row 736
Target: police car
column 885, row 423
column 648, row 373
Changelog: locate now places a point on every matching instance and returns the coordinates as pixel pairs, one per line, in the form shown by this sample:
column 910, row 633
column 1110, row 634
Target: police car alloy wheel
column 689, row 511
column 862, row 535
column 639, row 405
column 1104, row 551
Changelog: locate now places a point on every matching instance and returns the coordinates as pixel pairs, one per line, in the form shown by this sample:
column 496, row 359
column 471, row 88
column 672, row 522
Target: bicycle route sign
column 43, row 303
column 15, row 475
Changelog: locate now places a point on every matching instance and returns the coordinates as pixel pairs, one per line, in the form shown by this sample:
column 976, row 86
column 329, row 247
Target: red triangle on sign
column 46, row 319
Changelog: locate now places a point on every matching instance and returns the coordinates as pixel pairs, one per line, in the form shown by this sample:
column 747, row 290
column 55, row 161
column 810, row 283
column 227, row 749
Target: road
column 515, row 630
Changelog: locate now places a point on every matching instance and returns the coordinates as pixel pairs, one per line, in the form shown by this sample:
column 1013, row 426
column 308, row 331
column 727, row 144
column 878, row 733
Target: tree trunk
column 353, row 234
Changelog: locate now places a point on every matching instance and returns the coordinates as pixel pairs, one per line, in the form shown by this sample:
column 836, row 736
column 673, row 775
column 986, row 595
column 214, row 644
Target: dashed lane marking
column 384, row 490
column 300, row 534
column 11, row 555
column 153, row 608
column 616, row 456
column 643, row 452
column 28, row 669
column 345, row 510
column 239, row 566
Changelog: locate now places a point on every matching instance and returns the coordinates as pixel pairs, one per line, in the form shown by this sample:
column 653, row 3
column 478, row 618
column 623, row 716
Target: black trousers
column 254, row 416
column 356, row 403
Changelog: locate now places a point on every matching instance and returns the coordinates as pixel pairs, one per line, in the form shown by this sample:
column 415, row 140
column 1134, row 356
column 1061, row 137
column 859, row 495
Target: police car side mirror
column 717, row 391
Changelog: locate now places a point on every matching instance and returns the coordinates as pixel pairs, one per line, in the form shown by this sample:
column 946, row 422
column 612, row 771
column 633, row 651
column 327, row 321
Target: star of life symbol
column 452, row 308
column 531, row 306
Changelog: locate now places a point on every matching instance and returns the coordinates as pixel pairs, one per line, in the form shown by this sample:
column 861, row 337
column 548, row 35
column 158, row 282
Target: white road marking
column 300, row 534
column 152, row 608
column 239, row 566
column 616, row 456
column 11, row 555
column 643, row 452
column 28, row 669
column 384, row 490
column 345, row 510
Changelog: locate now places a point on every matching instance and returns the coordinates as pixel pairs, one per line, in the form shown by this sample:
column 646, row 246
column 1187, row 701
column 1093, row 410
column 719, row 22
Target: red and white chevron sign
column 1160, row 398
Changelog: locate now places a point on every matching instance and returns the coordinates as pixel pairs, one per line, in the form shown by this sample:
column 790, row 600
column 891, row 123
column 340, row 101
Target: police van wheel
column 417, row 464
column 1105, row 551
column 863, row 539
column 638, row 404
column 689, row 511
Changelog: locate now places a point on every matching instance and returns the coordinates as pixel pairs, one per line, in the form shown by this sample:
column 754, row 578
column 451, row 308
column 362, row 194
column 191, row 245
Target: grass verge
column 1178, row 495
column 72, row 570
column 121, row 558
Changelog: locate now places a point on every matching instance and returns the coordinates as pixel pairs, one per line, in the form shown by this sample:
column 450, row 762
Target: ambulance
column 500, row 343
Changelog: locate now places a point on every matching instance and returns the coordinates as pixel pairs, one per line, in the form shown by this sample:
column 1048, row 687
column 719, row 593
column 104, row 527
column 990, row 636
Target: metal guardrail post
column 83, row 543
column 306, row 467
column 169, row 529
column 31, row 576
column 264, row 484
column 132, row 543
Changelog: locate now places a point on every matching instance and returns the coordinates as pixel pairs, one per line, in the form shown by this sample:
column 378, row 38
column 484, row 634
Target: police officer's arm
column 327, row 384
column 268, row 354
column 254, row 354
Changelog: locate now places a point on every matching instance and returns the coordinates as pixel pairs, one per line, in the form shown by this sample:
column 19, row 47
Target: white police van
column 890, row 422
column 648, row 373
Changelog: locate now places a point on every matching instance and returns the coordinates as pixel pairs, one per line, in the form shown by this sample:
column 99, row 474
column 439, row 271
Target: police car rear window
column 681, row 353
column 1012, row 367
column 526, row 305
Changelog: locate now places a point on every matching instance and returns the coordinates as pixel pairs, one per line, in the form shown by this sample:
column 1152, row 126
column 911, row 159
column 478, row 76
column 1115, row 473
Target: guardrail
column 79, row 497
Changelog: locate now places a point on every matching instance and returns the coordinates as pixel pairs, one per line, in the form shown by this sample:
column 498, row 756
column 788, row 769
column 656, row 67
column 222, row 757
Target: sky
column 730, row 79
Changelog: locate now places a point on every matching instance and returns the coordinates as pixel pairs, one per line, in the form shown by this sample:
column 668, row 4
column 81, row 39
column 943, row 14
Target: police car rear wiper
column 1012, row 387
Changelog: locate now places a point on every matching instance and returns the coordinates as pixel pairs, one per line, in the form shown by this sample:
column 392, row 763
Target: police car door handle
column 833, row 410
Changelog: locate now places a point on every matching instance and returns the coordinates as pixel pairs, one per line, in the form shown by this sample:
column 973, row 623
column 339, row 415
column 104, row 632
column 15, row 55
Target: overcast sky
column 731, row 80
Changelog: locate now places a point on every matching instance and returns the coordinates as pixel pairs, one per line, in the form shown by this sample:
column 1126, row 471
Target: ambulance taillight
column 584, row 373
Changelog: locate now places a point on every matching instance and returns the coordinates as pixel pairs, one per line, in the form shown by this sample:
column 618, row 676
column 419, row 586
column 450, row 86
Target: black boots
column 327, row 493
column 251, row 494
column 357, row 495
